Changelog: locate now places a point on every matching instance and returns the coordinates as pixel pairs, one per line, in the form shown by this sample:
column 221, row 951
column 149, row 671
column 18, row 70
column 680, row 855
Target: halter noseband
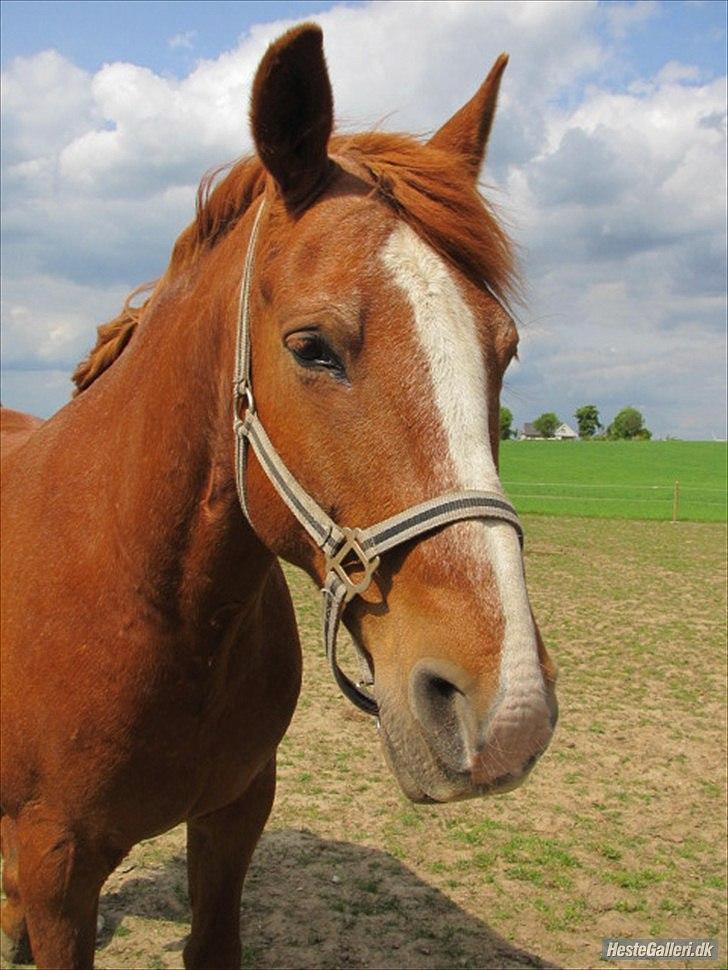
column 345, row 549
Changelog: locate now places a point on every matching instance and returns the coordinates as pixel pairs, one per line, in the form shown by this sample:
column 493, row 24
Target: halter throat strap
column 352, row 555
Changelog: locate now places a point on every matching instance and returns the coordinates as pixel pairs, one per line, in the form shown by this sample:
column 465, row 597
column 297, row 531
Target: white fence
column 674, row 500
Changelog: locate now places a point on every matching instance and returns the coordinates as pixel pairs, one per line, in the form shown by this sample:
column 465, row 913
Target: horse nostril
column 438, row 706
column 442, row 689
column 433, row 699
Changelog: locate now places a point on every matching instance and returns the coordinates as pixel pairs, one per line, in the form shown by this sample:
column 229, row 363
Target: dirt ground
column 619, row 832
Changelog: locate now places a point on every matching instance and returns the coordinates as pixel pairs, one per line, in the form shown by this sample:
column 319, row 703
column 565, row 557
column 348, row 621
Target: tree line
column 628, row 425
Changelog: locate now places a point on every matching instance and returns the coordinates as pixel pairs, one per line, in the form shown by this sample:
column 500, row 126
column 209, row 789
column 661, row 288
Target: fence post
column 676, row 501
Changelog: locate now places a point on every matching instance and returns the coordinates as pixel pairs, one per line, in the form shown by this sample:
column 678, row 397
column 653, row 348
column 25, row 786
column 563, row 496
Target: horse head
column 379, row 337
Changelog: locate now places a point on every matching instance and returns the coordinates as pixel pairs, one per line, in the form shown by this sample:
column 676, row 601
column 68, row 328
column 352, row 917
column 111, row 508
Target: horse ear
column 466, row 133
column 292, row 112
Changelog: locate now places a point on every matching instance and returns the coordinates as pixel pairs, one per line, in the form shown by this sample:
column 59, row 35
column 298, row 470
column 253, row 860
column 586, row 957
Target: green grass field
column 617, row 479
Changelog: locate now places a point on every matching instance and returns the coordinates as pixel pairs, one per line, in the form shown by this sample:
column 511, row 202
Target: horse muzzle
column 442, row 749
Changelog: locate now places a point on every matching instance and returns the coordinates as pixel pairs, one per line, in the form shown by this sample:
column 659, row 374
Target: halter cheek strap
column 352, row 555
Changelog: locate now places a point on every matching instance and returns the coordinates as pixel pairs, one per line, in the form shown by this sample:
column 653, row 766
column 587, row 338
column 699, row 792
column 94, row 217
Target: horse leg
column 219, row 849
column 14, row 943
column 60, row 879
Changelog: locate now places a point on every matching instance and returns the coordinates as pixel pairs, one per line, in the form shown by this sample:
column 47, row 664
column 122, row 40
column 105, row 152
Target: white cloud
column 46, row 319
column 185, row 40
column 46, row 102
column 617, row 198
column 623, row 17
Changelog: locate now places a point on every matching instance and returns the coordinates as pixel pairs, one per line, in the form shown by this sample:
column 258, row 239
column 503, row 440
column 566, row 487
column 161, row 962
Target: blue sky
column 693, row 33
column 607, row 160
column 91, row 32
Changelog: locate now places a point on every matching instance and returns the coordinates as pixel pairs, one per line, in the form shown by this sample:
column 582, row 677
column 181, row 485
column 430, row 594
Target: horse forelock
column 428, row 188
column 434, row 193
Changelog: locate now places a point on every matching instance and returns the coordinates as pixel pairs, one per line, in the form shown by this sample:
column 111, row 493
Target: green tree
column 628, row 424
column 546, row 424
column 506, row 420
column 587, row 417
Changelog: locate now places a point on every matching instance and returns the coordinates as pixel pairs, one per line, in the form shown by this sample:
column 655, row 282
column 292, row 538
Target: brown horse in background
column 151, row 659
column 15, row 428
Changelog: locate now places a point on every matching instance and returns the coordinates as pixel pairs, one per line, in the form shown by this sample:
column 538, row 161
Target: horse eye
column 311, row 350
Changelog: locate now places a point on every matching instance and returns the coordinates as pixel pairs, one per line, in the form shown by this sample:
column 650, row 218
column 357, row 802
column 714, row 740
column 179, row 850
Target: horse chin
column 423, row 778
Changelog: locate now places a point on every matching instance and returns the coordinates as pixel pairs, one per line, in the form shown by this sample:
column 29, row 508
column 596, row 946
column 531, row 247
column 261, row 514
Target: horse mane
column 111, row 339
column 428, row 188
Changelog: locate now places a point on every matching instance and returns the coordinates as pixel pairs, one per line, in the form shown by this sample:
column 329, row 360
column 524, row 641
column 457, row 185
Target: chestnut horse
column 152, row 662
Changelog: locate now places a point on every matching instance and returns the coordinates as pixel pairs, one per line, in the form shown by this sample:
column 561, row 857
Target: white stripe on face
column 447, row 334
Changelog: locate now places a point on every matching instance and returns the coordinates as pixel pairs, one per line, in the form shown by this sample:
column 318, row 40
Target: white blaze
column 447, row 333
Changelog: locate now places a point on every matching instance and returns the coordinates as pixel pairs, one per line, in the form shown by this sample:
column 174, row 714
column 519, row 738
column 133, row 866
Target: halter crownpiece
column 352, row 555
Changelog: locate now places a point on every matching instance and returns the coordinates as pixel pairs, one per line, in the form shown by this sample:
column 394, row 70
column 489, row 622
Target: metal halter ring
column 243, row 391
column 337, row 563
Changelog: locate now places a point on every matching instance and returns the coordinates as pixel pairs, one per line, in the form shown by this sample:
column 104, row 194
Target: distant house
column 565, row 433
column 529, row 432
column 562, row 433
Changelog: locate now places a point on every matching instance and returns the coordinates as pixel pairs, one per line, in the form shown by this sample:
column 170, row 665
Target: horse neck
column 168, row 465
